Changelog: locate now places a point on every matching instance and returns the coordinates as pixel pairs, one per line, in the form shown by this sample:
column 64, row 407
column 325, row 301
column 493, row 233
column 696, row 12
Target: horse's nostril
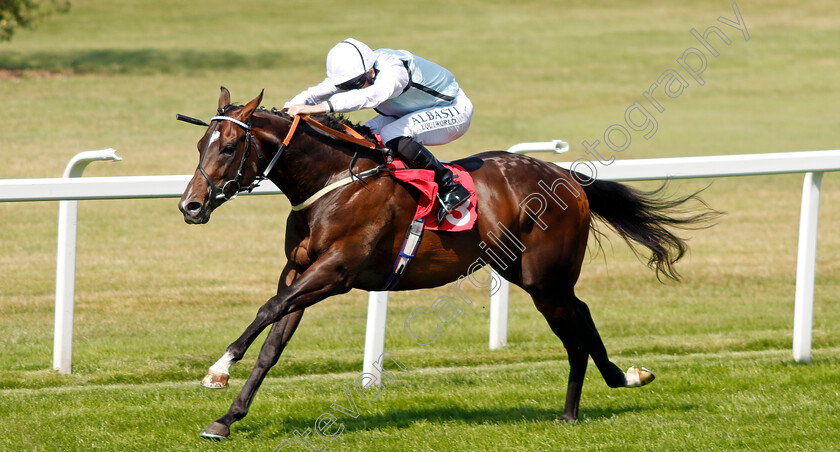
column 189, row 207
column 193, row 207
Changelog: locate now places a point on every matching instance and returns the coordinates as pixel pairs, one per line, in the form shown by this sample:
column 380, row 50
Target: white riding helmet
column 347, row 60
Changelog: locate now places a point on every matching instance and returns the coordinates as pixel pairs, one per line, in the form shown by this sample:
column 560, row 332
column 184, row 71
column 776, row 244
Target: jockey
column 419, row 103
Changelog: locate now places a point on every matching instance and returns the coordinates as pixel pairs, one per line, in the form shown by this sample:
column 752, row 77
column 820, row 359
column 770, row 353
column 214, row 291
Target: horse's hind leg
column 571, row 321
column 577, row 349
column 563, row 320
column 613, row 375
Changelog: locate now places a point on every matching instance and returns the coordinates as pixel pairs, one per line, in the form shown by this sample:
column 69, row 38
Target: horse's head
column 228, row 160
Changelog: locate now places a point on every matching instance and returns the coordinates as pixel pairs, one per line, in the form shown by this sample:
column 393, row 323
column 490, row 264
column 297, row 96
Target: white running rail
column 812, row 163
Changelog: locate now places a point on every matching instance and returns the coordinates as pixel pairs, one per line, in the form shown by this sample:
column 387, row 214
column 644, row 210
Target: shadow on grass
column 143, row 61
column 405, row 418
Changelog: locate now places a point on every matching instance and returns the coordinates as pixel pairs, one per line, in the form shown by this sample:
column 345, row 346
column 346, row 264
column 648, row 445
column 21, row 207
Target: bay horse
column 350, row 237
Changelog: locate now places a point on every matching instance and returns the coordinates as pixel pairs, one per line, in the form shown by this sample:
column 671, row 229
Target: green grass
column 157, row 301
column 714, row 401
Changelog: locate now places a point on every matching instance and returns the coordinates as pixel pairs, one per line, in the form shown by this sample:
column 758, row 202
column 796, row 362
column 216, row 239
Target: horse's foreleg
column 219, row 373
column 278, row 337
column 315, row 284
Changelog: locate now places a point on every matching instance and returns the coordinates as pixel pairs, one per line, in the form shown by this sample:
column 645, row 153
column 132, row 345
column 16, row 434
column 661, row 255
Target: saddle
column 461, row 219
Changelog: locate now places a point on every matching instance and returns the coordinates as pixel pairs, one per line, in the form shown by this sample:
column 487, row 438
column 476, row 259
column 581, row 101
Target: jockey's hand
column 300, row 109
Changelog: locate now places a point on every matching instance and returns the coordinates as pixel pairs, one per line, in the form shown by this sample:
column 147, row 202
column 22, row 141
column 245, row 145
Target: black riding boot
column 450, row 193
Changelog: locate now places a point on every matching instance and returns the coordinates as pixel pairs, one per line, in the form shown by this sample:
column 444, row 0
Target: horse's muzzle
column 195, row 212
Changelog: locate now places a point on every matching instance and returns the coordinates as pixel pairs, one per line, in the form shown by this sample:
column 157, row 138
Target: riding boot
column 450, row 193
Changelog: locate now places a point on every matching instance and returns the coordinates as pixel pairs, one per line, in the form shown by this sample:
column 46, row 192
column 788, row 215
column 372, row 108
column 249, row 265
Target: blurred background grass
column 158, row 300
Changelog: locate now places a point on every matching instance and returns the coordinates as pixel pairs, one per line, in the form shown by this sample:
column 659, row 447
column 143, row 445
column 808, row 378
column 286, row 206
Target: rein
column 350, row 136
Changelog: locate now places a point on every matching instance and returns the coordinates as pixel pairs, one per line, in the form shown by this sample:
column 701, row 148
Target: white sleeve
column 313, row 95
column 390, row 82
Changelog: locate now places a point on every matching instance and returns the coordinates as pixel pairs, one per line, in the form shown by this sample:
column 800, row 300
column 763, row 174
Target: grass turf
column 157, row 300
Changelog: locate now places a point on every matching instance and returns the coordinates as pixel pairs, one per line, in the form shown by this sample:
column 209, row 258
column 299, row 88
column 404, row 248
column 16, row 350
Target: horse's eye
column 228, row 149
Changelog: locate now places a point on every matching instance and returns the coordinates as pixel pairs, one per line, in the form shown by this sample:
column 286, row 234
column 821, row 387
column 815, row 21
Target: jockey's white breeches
column 430, row 126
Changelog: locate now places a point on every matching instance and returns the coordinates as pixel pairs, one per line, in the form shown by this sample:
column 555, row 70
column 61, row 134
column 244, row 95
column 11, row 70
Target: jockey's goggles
column 354, row 83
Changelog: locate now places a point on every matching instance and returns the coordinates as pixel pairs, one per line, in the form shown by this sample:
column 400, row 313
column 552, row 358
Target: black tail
column 644, row 218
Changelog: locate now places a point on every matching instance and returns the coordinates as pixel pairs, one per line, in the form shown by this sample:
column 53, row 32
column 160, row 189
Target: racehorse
column 536, row 214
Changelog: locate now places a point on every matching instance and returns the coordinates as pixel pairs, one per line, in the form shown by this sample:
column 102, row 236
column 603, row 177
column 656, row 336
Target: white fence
column 812, row 163
column 70, row 188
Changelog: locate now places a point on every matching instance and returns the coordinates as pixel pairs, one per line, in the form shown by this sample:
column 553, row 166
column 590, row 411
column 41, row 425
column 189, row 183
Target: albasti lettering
column 442, row 114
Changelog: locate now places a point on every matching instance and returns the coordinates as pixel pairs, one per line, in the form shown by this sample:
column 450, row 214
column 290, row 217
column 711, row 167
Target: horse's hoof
column 638, row 376
column 216, row 430
column 566, row 419
column 215, row 380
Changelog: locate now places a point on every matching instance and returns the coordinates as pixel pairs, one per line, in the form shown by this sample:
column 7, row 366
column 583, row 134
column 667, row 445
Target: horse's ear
column 250, row 107
column 224, row 98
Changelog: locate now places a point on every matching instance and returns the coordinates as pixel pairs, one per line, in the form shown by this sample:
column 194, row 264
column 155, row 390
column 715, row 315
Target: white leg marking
column 222, row 366
column 632, row 376
column 636, row 377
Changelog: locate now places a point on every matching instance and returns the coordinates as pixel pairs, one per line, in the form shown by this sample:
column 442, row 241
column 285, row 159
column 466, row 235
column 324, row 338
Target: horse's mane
column 335, row 121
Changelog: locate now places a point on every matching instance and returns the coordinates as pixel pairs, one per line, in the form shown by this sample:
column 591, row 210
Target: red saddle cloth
column 461, row 219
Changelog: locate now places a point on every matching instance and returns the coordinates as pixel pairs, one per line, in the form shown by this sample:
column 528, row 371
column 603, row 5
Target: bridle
column 232, row 187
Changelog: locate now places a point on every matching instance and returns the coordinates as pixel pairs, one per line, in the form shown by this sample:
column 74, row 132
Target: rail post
column 499, row 313
column 65, row 273
column 806, row 262
column 375, row 336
